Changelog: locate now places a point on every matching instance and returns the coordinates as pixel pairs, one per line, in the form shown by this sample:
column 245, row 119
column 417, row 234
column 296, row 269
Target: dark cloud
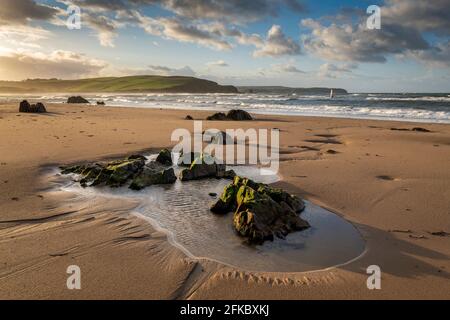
column 423, row 15
column 230, row 10
column 176, row 29
column 21, row 11
column 403, row 24
column 357, row 43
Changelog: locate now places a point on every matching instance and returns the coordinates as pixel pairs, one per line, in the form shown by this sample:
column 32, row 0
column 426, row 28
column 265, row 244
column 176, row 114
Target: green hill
column 131, row 84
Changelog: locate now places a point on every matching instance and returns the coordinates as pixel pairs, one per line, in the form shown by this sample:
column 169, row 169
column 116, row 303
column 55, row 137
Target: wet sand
column 394, row 186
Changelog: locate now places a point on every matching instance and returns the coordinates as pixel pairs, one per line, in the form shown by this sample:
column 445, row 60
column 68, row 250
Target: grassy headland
column 131, row 84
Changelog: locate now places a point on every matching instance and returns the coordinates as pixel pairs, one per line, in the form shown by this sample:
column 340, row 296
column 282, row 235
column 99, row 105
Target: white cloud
column 218, row 63
column 57, row 64
column 330, row 70
column 277, row 44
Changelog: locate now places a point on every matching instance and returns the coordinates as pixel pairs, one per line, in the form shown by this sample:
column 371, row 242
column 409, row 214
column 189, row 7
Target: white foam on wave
column 361, row 106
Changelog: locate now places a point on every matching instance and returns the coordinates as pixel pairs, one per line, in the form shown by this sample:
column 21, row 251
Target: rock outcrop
column 232, row 115
column 25, row 106
column 205, row 166
column 152, row 174
column 119, row 173
column 164, row 157
column 239, row 115
column 219, row 116
column 260, row 212
column 77, row 99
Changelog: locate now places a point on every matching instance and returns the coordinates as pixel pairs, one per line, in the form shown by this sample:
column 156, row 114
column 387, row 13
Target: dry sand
column 393, row 185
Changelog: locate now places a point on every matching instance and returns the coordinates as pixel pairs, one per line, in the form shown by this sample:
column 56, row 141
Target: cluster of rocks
column 139, row 174
column 260, row 212
column 232, row 115
column 25, row 106
column 132, row 170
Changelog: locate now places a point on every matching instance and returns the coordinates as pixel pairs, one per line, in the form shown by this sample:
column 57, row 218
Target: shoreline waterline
column 430, row 108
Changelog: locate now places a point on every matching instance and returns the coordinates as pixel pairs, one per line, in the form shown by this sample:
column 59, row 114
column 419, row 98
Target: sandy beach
column 393, row 185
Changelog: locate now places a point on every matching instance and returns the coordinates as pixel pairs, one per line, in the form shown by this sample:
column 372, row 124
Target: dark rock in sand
column 219, row 116
column 165, row 157
column 260, row 212
column 40, row 108
column 33, row 108
column 239, row 115
column 188, row 117
column 77, row 99
column 100, row 103
column 232, row 115
column 212, row 194
column 206, row 166
column 418, row 129
column 24, row 106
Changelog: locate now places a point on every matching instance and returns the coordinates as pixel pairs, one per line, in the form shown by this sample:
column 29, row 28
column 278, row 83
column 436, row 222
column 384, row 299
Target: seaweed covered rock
column 152, row 174
column 120, row 172
column 206, row 166
column 77, row 99
column 164, row 157
column 114, row 174
column 260, row 212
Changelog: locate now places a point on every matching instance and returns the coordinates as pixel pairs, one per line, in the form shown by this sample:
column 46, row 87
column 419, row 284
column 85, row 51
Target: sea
column 432, row 108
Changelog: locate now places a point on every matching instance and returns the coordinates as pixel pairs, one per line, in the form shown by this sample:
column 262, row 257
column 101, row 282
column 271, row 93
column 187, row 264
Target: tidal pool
column 182, row 210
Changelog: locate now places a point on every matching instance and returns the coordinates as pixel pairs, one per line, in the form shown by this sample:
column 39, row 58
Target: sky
column 239, row 42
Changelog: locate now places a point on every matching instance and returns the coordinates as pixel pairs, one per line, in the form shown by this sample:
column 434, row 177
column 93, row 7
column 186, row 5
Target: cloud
column 22, row 11
column 286, row 68
column 230, row 10
column 105, row 27
column 437, row 56
column 218, row 63
column 330, row 70
column 357, row 43
column 277, row 44
column 58, row 64
column 167, row 71
column 175, row 29
column 423, row 15
column 403, row 24
column 22, row 36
